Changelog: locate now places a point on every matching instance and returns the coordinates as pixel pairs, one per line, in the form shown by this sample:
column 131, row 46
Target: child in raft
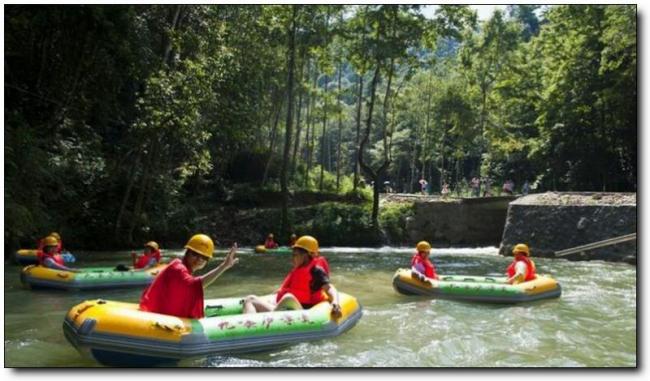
column 421, row 266
column 522, row 268
column 150, row 258
column 270, row 243
column 49, row 255
column 304, row 287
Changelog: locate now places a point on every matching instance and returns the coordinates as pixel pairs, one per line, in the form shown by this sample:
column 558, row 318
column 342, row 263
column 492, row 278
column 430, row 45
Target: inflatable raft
column 28, row 257
column 90, row 278
column 476, row 288
column 119, row 334
column 279, row 250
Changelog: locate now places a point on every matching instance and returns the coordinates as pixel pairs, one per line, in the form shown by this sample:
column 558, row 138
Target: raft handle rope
column 166, row 327
column 61, row 275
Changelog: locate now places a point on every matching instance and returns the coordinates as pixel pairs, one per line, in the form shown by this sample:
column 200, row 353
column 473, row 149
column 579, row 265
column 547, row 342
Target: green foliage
column 392, row 221
column 136, row 121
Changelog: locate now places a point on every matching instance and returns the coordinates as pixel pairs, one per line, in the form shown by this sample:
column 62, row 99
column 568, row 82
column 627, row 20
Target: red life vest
column 298, row 283
column 42, row 256
column 270, row 244
column 175, row 292
column 144, row 259
column 530, row 267
column 429, row 270
column 322, row 262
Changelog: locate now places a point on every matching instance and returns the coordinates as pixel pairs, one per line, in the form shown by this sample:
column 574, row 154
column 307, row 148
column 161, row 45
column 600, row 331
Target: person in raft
column 270, row 243
column 304, row 287
column 175, row 291
column 522, row 268
column 421, row 266
column 48, row 255
column 292, row 240
column 59, row 246
column 150, row 258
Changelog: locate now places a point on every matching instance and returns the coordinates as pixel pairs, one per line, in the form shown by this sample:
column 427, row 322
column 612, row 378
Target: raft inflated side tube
column 476, row 288
column 30, row 257
column 116, row 333
column 91, row 278
column 26, row 256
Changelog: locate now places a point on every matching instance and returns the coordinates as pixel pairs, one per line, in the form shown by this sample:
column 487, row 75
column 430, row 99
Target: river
column 593, row 323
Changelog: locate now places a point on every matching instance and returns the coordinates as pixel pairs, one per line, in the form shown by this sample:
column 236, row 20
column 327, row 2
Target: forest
column 127, row 122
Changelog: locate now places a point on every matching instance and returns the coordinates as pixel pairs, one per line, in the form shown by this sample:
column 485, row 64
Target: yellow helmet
column 152, row 244
column 50, row 241
column 201, row 244
column 56, row 235
column 308, row 243
column 521, row 248
column 423, row 246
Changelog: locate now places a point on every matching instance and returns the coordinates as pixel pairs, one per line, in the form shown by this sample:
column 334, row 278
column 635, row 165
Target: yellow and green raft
column 90, row 278
column 119, row 334
column 280, row 250
column 477, row 288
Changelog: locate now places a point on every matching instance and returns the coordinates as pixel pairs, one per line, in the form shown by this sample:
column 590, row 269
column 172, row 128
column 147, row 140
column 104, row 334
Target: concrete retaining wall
column 555, row 221
column 468, row 222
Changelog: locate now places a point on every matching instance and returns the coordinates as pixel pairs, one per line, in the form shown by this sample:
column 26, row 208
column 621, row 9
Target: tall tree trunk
column 310, row 139
column 125, row 198
column 365, row 167
column 322, row 138
column 359, row 105
column 296, row 144
column 426, row 126
column 272, row 142
column 146, row 176
column 338, row 138
column 284, row 224
column 482, row 124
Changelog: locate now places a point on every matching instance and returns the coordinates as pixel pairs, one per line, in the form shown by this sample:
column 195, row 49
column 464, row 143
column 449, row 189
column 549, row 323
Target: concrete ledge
column 553, row 221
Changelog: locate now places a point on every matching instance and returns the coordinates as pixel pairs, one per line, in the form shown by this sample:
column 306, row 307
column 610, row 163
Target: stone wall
column 466, row 222
column 552, row 221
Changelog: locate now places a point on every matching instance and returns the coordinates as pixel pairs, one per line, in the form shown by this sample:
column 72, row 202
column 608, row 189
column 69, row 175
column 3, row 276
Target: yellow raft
column 26, row 256
column 477, row 288
column 119, row 334
column 90, row 278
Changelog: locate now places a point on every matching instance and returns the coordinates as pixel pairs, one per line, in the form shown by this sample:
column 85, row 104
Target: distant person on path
column 421, row 266
column 306, row 285
column 270, row 243
column 48, row 255
column 525, row 188
column 150, row 258
column 522, row 268
column 423, row 186
column 508, row 187
column 474, row 184
column 487, row 187
column 175, row 291
column 445, row 190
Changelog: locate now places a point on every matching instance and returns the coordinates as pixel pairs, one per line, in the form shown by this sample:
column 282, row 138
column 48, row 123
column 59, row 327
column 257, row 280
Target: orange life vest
column 42, row 256
column 298, row 283
column 322, row 262
column 429, row 270
column 270, row 244
column 530, row 267
column 144, row 259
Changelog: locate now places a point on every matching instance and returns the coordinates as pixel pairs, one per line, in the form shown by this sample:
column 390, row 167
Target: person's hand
column 336, row 311
column 230, row 259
